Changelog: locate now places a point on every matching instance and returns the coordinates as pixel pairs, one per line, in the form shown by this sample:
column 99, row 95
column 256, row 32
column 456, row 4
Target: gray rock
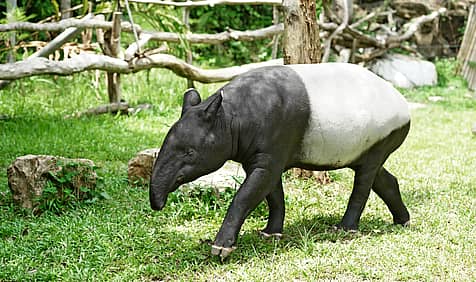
column 404, row 71
column 28, row 176
column 140, row 169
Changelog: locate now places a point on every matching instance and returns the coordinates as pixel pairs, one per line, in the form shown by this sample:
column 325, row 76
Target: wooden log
column 112, row 108
column 84, row 62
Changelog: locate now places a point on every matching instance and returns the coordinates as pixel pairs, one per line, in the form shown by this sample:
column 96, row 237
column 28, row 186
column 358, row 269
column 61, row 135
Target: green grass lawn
column 121, row 239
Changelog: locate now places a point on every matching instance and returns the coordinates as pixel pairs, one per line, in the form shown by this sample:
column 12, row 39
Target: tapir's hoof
column 223, row 252
column 276, row 236
column 406, row 224
column 340, row 227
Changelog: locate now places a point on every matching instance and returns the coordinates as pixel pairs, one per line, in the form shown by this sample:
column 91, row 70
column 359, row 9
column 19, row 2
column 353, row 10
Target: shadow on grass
column 299, row 234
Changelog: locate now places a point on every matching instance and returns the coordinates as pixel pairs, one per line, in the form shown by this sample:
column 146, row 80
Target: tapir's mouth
column 158, row 203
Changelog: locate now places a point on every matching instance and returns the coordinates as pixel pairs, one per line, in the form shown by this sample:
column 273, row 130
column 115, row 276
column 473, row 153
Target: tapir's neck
column 239, row 134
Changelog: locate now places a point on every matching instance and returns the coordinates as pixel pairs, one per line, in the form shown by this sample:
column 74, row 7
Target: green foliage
column 164, row 18
column 238, row 17
column 62, row 193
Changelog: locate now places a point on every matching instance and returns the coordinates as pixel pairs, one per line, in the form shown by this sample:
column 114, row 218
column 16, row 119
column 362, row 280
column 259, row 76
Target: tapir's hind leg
column 275, row 201
column 386, row 187
column 363, row 180
column 368, row 169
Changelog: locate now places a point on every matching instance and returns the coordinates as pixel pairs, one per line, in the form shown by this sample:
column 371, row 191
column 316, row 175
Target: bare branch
column 339, row 29
column 414, row 25
column 64, row 24
column 83, row 62
column 210, row 3
column 248, row 35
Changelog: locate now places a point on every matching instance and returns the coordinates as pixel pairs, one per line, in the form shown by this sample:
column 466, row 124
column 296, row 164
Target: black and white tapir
column 316, row 117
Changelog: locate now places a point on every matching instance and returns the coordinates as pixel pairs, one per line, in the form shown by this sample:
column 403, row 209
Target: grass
column 121, row 239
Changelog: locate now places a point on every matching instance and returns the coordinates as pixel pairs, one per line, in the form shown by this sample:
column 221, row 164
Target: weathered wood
column 467, row 53
column 84, row 62
column 210, row 3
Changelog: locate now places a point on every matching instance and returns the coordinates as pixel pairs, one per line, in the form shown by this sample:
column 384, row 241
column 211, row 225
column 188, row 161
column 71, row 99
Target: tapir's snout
column 156, row 201
column 157, row 205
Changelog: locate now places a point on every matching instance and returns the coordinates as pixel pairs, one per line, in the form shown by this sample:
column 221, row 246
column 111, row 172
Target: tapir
column 317, row 117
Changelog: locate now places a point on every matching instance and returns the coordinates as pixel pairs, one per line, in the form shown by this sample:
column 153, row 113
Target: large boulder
column 140, row 169
column 28, row 175
column 404, row 71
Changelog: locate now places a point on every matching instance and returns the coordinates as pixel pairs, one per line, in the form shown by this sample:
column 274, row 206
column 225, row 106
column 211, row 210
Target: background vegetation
column 121, row 239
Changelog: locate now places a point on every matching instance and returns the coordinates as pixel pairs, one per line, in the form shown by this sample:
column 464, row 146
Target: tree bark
column 301, row 33
column 112, row 49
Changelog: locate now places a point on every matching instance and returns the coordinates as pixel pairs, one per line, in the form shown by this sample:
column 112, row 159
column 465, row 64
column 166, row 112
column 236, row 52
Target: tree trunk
column 65, row 9
column 301, row 33
column 302, row 46
column 113, row 47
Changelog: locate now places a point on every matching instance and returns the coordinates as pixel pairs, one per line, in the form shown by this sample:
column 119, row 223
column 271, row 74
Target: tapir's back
column 351, row 110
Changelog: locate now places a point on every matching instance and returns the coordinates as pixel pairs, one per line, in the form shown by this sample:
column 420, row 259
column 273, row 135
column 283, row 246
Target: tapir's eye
column 189, row 153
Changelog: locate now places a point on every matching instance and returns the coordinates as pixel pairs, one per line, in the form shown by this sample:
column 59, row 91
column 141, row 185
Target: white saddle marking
column 351, row 110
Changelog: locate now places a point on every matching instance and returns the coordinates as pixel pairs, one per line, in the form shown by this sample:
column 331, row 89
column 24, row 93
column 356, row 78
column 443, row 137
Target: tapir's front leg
column 255, row 188
column 276, row 206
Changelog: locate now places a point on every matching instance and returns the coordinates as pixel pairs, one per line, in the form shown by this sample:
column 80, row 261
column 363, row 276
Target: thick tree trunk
column 301, row 33
column 302, row 46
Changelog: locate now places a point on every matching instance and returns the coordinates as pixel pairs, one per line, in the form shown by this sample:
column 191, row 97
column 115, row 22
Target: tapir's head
column 195, row 145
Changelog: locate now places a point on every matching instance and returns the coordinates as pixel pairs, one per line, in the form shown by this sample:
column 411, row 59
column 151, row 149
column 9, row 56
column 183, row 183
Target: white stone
column 404, row 71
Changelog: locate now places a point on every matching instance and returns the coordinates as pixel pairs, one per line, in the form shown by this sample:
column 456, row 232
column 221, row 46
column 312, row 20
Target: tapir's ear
column 214, row 106
column 190, row 98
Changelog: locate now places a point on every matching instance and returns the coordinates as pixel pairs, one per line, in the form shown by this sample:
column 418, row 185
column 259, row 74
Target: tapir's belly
column 351, row 110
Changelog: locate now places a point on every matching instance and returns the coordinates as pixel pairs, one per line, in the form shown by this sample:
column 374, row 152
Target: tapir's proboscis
column 317, row 117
